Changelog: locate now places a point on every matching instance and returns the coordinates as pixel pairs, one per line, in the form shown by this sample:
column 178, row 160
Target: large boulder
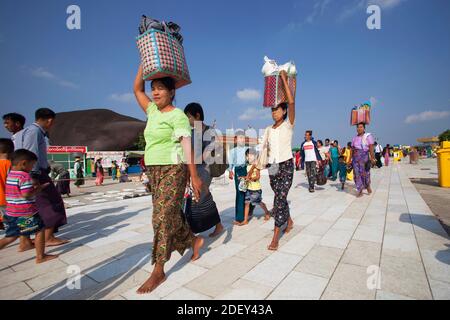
column 98, row 129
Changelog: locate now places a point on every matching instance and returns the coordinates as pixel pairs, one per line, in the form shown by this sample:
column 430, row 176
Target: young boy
column 342, row 170
column 21, row 216
column 6, row 148
column 253, row 194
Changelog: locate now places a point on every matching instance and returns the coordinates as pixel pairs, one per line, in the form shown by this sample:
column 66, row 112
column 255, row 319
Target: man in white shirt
column 378, row 153
column 310, row 155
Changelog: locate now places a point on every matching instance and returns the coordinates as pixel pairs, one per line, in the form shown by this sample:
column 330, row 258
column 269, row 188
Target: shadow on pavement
column 433, row 182
column 429, row 223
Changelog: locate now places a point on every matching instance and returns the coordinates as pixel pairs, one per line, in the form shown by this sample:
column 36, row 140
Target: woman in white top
column 281, row 170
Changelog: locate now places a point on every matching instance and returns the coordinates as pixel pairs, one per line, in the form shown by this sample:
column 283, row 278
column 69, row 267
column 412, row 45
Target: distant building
column 429, row 141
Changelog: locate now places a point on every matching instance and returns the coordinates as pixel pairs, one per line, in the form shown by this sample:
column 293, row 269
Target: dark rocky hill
column 99, row 129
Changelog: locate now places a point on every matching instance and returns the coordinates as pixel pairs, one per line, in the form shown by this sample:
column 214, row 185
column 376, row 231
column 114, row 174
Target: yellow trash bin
column 396, row 156
column 443, row 155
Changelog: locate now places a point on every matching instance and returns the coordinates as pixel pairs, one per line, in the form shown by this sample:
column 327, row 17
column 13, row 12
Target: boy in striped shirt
column 21, row 216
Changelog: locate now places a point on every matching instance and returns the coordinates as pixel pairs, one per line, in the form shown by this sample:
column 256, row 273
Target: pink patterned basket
column 274, row 93
column 163, row 56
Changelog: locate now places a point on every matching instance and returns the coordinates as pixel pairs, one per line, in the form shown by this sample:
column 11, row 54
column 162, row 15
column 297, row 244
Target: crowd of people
column 31, row 204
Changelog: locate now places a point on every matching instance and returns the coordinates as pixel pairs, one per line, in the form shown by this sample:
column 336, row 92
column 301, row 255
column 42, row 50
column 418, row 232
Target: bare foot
column 218, row 230
column 289, row 227
column 273, row 246
column 198, row 243
column 369, row 190
column 46, row 257
column 243, row 223
column 26, row 247
column 236, row 223
column 152, row 283
column 56, row 242
column 359, row 195
column 266, row 217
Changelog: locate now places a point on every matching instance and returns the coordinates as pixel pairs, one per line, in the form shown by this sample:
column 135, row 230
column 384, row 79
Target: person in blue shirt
column 50, row 205
column 237, row 167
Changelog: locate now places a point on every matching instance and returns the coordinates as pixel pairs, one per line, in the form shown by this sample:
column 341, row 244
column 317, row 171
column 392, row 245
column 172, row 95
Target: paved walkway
column 335, row 251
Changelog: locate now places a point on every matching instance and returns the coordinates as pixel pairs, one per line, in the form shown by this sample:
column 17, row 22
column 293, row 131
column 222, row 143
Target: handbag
column 200, row 216
column 263, row 158
column 321, row 178
column 243, row 185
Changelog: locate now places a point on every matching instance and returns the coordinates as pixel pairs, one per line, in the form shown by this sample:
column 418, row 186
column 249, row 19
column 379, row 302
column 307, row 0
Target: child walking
column 21, row 216
column 342, row 171
column 253, row 195
column 6, row 148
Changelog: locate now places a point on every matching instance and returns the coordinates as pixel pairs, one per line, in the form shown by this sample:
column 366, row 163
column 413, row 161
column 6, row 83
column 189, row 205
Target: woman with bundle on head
column 167, row 157
column 278, row 145
column 363, row 158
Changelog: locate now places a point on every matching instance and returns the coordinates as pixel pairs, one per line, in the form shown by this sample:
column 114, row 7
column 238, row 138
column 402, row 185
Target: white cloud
column 123, row 97
column 361, row 5
column 426, row 116
column 43, row 73
column 256, row 114
column 248, row 94
column 318, row 10
column 385, row 4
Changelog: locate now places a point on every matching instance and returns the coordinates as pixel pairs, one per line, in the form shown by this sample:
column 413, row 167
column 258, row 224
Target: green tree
column 445, row 136
column 140, row 143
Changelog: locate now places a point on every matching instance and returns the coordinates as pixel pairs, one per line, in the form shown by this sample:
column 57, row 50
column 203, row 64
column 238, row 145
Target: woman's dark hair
column 320, row 141
column 193, row 109
column 284, row 106
column 336, row 142
column 44, row 114
column 22, row 154
column 15, row 117
column 6, row 146
column 349, row 144
column 167, row 82
column 361, row 123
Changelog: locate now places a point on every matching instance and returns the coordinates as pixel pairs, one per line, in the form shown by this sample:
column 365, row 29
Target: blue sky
column 404, row 67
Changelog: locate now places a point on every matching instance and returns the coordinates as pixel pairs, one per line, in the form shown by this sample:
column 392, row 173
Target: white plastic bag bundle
column 271, row 68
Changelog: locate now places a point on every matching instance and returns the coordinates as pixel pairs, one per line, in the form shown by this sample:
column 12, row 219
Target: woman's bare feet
column 273, row 246
column 369, row 190
column 152, row 283
column 26, row 247
column 196, row 246
column 243, row 223
column 359, row 195
column 55, row 242
column 266, row 217
column 290, row 225
column 218, row 230
column 46, row 257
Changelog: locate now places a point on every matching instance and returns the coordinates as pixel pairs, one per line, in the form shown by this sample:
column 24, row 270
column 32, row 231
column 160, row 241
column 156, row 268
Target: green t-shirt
column 162, row 136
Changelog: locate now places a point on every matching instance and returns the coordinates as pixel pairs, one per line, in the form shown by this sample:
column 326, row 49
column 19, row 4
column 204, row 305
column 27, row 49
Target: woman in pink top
column 362, row 148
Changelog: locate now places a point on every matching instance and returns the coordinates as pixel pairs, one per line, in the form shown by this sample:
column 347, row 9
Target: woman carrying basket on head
column 277, row 146
column 168, row 149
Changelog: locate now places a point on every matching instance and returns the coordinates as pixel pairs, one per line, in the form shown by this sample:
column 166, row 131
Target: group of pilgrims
column 171, row 169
